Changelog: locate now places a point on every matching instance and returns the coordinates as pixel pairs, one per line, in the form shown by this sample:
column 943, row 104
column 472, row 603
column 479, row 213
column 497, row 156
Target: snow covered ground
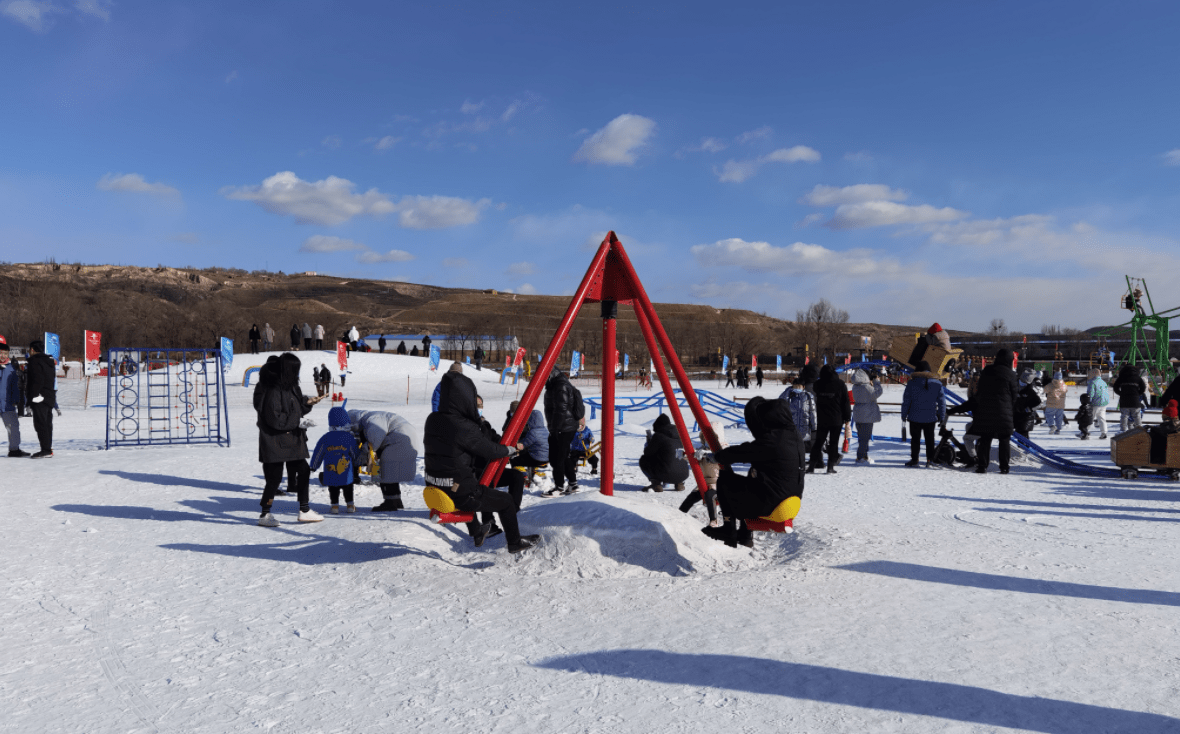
column 141, row 597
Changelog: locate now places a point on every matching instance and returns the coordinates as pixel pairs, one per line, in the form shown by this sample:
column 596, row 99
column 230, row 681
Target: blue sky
column 910, row 162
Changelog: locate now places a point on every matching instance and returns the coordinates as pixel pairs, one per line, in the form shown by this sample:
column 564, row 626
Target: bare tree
column 818, row 328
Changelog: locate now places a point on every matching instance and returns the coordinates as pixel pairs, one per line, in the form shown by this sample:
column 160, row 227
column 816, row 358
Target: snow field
column 141, row 597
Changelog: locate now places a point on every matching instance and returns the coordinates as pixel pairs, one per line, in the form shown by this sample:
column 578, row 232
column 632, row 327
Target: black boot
column 480, row 534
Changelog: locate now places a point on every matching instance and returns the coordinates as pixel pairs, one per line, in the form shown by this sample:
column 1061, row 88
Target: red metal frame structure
column 611, row 280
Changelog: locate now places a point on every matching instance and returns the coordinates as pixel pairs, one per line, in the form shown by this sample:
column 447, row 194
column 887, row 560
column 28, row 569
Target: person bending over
column 663, row 459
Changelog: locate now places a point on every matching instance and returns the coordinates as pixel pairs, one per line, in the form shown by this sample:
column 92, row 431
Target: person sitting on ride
column 776, row 462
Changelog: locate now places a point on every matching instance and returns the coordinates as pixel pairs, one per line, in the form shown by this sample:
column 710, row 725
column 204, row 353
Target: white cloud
column 327, row 202
column 809, row 220
column 885, row 213
column 738, row 171
column 328, row 243
column 760, row 134
column 618, row 142
column 521, row 268
column 135, row 183
column 95, row 8
column 231, row 76
column 393, row 256
column 709, row 145
column 386, row 142
column 438, row 212
column 455, row 262
column 1172, row 157
column 332, row 142
column 470, row 108
column 526, row 289
column 832, row 195
column 36, row 14
column 511, row 110
column 797, row 259
column 986, row 232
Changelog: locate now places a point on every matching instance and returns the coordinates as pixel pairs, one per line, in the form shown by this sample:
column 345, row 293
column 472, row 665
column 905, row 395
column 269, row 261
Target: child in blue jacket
column 338, row 451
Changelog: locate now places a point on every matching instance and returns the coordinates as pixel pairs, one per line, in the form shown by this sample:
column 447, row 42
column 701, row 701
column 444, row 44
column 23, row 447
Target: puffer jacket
column 453, row 439
column 563, row 403
column 1024, row 414
column 802, row 406
column 393, row 438
column 535, row 438
column 831, row 399
column 1055, row 395
column 659, row 461
column 775, row 454
column 923, row 400
column 994, row 401
column 1098, row 390
column 10, row 397
column 864, row 396
column 281, row 406
column 1129, row 386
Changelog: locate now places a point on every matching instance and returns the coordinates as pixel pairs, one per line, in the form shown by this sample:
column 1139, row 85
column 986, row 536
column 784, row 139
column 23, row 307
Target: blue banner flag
column 576, row 364
column 53, row 346
column 725, row 363
column 227, row 353
column 778, row 362
column 435, row 356
column 626, row 361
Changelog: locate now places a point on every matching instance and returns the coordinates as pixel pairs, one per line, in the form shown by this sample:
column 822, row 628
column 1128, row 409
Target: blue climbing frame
column 165, row 397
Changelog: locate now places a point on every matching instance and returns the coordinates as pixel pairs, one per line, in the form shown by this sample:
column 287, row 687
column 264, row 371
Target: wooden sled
column 936, row 356
column 1131, row 451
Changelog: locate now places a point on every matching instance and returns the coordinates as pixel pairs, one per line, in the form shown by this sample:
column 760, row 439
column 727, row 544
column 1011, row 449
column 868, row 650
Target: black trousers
column 740, row 497
column 824, row 434
column 334, row 494
column 253, row 346
column 43, row 420
column 983, row 450
column 572, row 463
column 559, row 451
column 298, row 478
column 319, row 343
column 514, row 481
column 306, row 343
column 487, row 501
column 924, row 429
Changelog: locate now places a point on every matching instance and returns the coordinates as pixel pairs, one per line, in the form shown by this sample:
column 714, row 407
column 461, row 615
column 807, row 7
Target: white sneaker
column 351, row 509
column 310, row 516
column 268, row 521
column 335, row 510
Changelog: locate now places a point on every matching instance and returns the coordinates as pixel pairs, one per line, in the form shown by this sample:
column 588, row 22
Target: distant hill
column 177, row 307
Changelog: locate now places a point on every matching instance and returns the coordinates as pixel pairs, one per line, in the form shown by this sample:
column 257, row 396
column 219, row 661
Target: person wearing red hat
column 1170, row 425
column 935, row 335
column 10, row 401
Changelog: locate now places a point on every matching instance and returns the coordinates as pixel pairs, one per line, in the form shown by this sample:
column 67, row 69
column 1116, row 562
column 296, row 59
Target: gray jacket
column 395, row 441
column 864, row 395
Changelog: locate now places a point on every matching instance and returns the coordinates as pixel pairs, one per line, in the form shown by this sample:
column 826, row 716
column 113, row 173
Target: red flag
column 342, row 355
column 507, row 361
column 754, row 362
column 520, row 354
column 92, row 341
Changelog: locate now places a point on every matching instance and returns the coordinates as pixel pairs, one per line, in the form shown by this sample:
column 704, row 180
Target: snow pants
column 514, row 481
column 487, row 501
column 1129, row 417
column 298, row 478
column 1055, row 418
column 1098, row 416
column 917, row 431
column 831, row 436
column 334, row 494
column 559, row 451
column 43, row 421
column 12, row 426
column 864, row 435
column 983, row 450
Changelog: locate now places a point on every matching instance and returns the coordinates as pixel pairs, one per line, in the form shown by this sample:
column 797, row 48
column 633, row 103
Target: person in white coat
column 866, row 389
column 268, row 338
column 397, row 446
column 354, row 336
column 319, row 336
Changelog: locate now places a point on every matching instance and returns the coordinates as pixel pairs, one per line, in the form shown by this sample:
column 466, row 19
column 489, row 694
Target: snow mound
column 593, row 536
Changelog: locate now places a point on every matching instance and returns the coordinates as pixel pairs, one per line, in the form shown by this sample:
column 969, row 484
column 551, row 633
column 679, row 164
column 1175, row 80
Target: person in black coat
column 511, row 477
column 776, row 460
column 401, row 347
column 1024, row 414
column 1130, row 387
column 255, row 336
column 832, row 411
column 41, row 395
column 478, row 358
column 295, row 334
column 281, row 405
column 758, row 375
column 809, row 374
column 414, row 351
column 381, row 344
column 662, row 461
column 563, row 410
column 453, row 441
column 992, row 411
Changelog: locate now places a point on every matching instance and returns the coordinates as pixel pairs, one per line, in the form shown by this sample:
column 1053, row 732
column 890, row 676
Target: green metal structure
column 1149, row 335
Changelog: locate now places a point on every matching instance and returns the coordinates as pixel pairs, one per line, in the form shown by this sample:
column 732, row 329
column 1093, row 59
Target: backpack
column 798, row 402
column 578, row 407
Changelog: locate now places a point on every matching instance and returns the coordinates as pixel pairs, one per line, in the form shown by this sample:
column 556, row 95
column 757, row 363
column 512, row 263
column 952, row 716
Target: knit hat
column 1171, row 410
column 456, row 367
column 934, row 329
column 338, row 417
column 3, row 342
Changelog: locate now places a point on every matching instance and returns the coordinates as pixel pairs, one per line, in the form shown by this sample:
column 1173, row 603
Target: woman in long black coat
column 992, row 410
column 281, row 441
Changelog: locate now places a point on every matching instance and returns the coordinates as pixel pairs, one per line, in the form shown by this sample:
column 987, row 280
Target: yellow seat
column 438, row 500
column 786, row 510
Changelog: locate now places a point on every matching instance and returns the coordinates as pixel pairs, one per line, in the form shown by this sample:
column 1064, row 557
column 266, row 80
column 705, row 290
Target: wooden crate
column 936, row 356
column 1133, row 448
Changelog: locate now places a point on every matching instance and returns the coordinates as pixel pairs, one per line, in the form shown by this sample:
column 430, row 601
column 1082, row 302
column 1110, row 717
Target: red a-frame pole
column 611, row 280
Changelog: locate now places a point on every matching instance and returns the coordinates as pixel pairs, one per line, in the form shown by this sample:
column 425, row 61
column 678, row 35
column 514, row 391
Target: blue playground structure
column 166, row 396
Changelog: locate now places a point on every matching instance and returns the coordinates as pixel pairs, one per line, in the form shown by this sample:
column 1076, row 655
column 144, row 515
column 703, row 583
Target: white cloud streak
column 134, row 183
column 1172, row 157
column 834, row 195
column 393, row 256
column 34, row 14
column 886, row 213
column 738, row 171
column 521, row 268
column 618, row 143
column 438, row 212
column 94, row 8
column 799, row 258
column 760, row 134
column 328, row 243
